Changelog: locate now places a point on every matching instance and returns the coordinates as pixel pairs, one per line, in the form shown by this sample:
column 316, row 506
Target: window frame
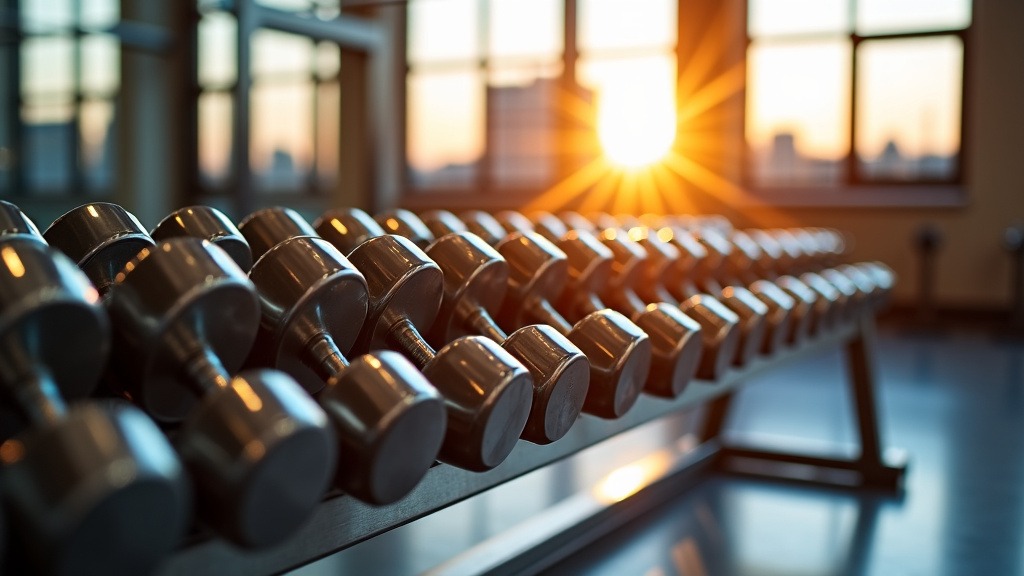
column 854, row 189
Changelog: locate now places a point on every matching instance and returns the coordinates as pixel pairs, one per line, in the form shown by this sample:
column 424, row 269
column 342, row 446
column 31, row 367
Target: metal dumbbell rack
column 342, row 521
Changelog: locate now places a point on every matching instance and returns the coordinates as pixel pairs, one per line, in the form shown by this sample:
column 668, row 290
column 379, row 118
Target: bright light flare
column 636, row 125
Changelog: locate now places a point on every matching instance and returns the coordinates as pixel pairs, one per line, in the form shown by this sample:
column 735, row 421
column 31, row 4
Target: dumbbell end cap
column 620, row 361
column 262, row 453
column 561, row 379
column 675, row 346
column 390, row 422
column 489, row 395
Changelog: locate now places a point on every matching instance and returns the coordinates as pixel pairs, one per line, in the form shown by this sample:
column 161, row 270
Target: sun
column 636, row 128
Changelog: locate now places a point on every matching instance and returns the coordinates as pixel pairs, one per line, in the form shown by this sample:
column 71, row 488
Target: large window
column 61, row 75
column 515, row 96
column 855, row 92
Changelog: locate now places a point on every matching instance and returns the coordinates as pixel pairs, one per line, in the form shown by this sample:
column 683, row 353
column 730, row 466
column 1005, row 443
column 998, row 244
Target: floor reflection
column 954, row 402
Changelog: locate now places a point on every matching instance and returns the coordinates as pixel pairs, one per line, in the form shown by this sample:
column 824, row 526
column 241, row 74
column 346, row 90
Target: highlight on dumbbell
column 90, row 488
column 487, row 392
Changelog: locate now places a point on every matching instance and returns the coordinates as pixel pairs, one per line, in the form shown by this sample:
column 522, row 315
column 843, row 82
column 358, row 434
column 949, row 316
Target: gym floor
column 953, row 399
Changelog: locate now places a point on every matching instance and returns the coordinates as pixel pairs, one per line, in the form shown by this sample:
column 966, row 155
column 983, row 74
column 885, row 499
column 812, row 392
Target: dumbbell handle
column 324, row 357
column 37, row 395
column 482, row 323
column 403, row 335
column 541, row 311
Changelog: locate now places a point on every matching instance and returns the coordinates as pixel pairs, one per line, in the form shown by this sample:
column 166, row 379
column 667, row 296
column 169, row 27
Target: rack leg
column 869, row 469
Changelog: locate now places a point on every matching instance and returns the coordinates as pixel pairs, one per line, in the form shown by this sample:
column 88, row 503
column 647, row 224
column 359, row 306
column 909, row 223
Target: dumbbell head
column 208, row 224
column 260, row 448
column 752, row 314
column 390, row 420
column 405, row 223
column 618, row 351
column 719, row 328
column 549, row 226
column 781, row 314
column 441, row 222
column 805, row 312
column 475, row 281
column 263, row 229
column 82, row 487
column 487, row 227
column 101, row 238
column 14, row 222
column 347, row 229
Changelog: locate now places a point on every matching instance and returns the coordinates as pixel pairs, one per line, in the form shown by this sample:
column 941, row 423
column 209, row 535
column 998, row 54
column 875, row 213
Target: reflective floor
column 953, row 401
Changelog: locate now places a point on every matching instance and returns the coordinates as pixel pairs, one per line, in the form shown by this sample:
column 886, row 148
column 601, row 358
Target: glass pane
column 445, row 128
column 281, row 146
column 328, row 129
column 97, row 131
column 49, row 16
column 635, row 105
column 279, row 53
column 215, row 123
column 607, row 24
column 328, row 60
column 443, row 30
column 218, row 63
column 798, row 110
column 101, row 64
column 880, row 16
column 909, row 100
column 523, row 131
column 47, row 65
column 527, row 28
column 99, row 14
column 766, row 17
column 48, row 140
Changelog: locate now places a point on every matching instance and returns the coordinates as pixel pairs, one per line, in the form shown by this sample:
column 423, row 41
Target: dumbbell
column 618, row 351
column 91, row 488
column 14, row 222
column 789, row 319
column 771, row 265
column 260, row 451
column 487, row 392
column 207, row 224
column 605, row 271
column 389, row 420
column 406, row 224
column 838, row 302
column 717, row 324
column 441, row 222
column 475, row 282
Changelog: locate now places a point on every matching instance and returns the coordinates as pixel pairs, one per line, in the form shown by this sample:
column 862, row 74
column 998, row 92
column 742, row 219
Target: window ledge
column 901, row 196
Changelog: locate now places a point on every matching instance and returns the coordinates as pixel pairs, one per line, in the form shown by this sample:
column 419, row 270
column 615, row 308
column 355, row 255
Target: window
column 294, row 103
column 515, row 96
column 58, row 122
column 855, row 92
